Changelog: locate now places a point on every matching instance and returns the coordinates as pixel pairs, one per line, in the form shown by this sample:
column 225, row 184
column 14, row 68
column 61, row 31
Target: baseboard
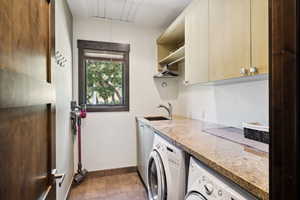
column 111, row 172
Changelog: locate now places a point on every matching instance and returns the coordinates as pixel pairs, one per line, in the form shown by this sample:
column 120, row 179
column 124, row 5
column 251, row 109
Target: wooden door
column 27, row 100
column 260, row 36
column 284, row 107
column 196, row 43
column 229, row 38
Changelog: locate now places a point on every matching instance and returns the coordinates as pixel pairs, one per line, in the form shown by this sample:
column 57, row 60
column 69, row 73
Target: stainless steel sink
column 157, row 118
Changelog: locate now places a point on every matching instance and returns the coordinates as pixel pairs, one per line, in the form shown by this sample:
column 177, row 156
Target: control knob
column 208, row 188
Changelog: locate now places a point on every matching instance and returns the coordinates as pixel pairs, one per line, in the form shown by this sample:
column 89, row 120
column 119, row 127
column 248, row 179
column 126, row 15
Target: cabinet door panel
column 260, row 39
column 196, row 43
column 140, row 147
column 229, row 38
column 148, row 145
column 148, row 140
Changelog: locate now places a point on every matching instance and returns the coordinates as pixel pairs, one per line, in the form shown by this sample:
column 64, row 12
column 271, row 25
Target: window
column 103, row 76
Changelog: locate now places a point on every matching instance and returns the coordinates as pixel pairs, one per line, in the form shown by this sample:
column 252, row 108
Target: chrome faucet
column 169, row 109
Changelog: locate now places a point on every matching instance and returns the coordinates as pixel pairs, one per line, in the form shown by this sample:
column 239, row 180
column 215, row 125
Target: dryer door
column 157, row 189
column 195, row 196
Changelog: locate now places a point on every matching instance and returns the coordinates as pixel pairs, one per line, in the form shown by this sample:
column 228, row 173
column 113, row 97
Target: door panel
column 24, row 36
column 196, row 43
column 148, row 146
column 27, row 100
column 24, row 152
column 144, row 148
column 260, row 35
column 229, row 38
column 140, row 150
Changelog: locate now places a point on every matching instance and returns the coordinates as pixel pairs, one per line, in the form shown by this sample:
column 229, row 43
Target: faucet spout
column 169, row 109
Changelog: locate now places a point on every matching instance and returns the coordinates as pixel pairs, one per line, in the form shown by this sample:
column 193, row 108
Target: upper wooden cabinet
column 260, row 36
column 196, row 43
column 238, row 38
column 229, row 38
column 218, row 39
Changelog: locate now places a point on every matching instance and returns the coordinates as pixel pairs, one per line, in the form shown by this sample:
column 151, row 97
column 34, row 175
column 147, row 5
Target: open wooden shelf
column 174, row 57
column 168, row 76
column 174, row 33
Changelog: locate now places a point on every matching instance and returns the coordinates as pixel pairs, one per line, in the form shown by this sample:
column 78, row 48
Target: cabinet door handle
column 244, row 71
column 253, row 70
column 185, row 82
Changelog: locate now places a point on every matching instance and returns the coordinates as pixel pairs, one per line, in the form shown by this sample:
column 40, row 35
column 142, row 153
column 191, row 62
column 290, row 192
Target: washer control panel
column 171, row 153
column 213, row 186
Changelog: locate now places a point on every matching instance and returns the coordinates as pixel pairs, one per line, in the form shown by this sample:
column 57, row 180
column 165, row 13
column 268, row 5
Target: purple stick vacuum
column 80, row 113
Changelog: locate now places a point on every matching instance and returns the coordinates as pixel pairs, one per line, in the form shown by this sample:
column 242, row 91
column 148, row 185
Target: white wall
column 63, row 76
column 227, row 104
column 109, row 139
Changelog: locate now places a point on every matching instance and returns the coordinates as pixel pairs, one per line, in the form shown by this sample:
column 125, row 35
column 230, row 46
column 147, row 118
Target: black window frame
column 83, row 45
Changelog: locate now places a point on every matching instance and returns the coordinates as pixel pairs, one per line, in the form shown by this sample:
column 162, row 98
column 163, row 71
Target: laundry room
column 149, row 99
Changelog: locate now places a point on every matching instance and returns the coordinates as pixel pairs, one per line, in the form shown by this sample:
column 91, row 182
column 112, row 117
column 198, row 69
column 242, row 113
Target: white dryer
column 205, row 184
column 166, row 171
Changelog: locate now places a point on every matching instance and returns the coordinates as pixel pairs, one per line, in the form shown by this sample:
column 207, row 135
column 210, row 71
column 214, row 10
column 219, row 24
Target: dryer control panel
column 213, row 186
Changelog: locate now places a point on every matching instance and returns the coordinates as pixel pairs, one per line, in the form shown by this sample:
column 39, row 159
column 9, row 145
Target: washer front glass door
column 153, row 180
column 195, row 196
column 156, row 178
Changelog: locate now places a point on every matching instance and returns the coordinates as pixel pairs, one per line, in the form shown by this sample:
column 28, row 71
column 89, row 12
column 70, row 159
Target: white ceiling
column 150, row 13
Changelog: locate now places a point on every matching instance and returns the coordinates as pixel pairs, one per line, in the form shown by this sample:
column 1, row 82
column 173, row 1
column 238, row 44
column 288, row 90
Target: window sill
column 107, row 109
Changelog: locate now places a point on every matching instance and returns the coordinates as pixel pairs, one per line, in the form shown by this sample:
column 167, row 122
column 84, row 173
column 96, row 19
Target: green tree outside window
column 104, row 82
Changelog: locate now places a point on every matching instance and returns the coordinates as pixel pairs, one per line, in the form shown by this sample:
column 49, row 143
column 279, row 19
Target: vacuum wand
column 78, row 113
column 79, row 144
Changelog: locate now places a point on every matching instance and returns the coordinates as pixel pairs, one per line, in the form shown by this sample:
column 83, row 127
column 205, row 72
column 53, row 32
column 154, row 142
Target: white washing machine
column 205, row 184
column 166, row 171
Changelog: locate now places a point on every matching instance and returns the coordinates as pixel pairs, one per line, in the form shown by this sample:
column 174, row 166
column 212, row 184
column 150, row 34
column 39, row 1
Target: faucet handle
column 170, row 110
column 170, row 106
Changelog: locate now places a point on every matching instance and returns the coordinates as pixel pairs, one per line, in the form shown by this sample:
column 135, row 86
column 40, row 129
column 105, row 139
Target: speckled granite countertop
column 246, row 166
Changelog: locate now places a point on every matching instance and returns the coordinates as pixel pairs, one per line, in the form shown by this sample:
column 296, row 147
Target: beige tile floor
column 117, row 187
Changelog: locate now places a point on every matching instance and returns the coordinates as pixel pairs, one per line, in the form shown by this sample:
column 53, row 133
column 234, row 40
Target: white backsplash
column 227, row 104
